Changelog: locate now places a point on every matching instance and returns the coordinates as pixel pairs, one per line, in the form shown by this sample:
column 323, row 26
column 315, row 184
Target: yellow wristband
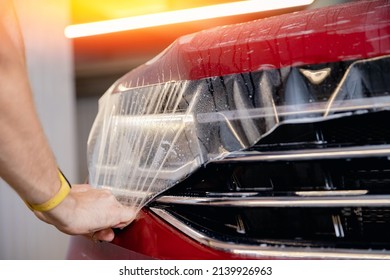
column 55, row 200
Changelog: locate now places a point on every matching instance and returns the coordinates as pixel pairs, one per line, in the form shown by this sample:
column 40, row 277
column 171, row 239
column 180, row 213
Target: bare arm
column 26, row 160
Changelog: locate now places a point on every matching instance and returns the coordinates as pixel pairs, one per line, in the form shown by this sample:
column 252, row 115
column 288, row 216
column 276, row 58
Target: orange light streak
column 180, row 16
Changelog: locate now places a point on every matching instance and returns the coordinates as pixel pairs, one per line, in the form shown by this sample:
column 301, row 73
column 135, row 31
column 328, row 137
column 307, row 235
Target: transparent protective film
column 146, row 139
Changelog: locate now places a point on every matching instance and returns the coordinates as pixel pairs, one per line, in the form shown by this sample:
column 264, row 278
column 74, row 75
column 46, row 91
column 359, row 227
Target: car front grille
column 323, row 195
column 317, row 184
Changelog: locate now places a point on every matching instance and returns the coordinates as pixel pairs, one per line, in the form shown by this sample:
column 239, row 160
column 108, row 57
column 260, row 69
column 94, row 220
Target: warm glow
column 180, row 16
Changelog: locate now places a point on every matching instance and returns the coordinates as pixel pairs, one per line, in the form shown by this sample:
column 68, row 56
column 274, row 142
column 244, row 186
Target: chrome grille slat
column 310, row 154
column 288, row 201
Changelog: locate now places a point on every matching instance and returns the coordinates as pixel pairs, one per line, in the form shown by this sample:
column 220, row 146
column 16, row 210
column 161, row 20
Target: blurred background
column 68, row 75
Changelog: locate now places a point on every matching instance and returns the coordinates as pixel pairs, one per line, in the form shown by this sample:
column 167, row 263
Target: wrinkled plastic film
column 147, row 139
column 143, row 141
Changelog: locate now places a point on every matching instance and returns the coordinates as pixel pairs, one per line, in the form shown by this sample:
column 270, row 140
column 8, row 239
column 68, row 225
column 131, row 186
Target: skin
column 27, row 163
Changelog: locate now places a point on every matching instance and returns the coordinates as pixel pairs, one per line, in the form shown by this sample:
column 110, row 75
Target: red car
column 262, row 140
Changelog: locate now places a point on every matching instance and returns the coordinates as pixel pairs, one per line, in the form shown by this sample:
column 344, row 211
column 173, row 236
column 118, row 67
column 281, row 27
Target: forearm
column 26, row 161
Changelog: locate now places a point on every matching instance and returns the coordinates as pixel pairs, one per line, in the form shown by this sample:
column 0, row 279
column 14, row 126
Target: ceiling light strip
column 179, row 16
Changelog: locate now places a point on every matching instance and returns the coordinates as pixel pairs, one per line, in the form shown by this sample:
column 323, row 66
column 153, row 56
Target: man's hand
column 90, row 212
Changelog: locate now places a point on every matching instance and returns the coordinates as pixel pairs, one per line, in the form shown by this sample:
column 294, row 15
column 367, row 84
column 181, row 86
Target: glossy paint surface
column 146, row 238
column 342, row 32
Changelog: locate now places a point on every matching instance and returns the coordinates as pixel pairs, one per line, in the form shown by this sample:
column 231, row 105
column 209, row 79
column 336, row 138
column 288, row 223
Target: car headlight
column 146, row 139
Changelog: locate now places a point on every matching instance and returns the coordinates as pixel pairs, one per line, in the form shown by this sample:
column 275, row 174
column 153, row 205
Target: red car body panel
column 343, row 32
column 146, row 238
